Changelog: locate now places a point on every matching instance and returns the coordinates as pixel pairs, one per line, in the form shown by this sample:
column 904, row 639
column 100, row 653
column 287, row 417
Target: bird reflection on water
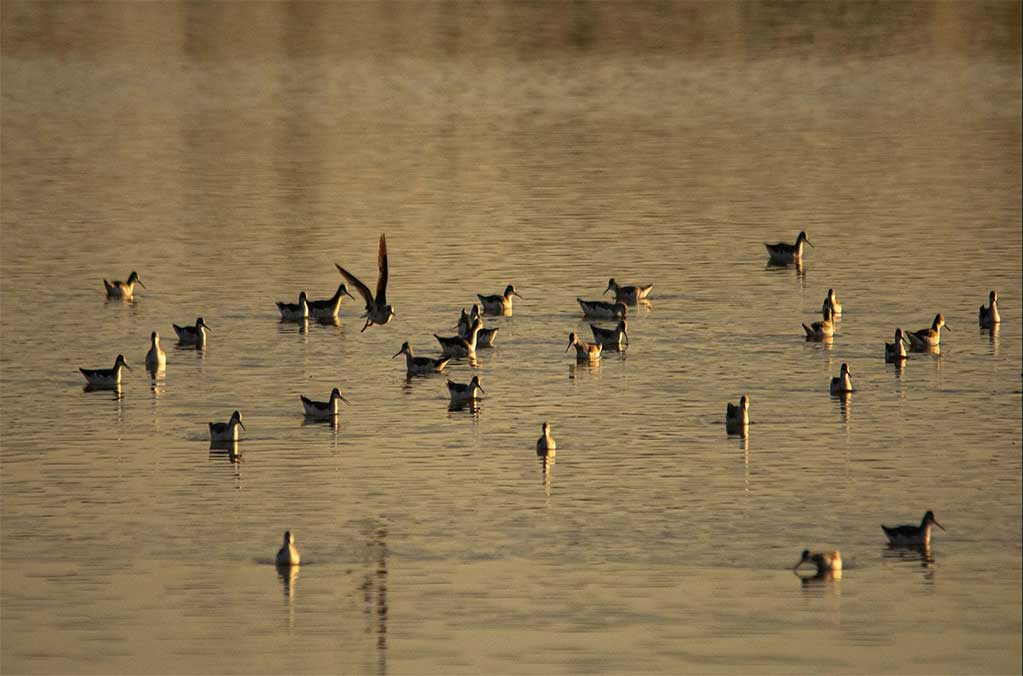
column 374, row 592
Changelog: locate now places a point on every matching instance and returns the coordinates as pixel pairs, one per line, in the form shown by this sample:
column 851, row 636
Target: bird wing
column 382, row 265
column 359, row 286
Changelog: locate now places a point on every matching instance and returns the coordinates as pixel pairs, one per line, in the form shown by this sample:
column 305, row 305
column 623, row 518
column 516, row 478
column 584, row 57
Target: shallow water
column 232, row 153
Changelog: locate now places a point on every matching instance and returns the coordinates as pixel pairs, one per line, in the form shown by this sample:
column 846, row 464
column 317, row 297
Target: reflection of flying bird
column 377, row 309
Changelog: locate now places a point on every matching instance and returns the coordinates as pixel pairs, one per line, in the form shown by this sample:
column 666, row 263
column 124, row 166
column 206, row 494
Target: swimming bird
column 601, row 310
column 226, row 431
column 842, row 383
column 896, row 351
column 456, row 346
column 119, row 289
column 831, row 301
column 465, row 391
column 192, row 335
column 583, row 351
column 421, row 365
column 486, row 337
column 499, row 304
column 628, row 294
column 546, row 444
column 822, row 329
column 377, row 309
column 737, row 416
column 912, row 535
column 988, row 316
column 156, row 358
column 826, row 562
column 288, row 554
column 324, row 410
column 106, row 378
column 782, row 253
column 925, row 339
column 299, row 310
column 611, row 338
column 327, row 308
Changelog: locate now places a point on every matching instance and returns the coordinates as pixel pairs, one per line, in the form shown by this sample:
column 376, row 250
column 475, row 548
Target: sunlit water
column 232, row 153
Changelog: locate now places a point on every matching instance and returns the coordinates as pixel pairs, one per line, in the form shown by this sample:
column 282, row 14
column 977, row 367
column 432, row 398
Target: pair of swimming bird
column 898, row 536
column 321, row 410
column 320, row 309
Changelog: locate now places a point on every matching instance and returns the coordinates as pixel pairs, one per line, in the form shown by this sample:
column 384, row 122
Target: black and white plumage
column 912, row 535
column 420, row 365
column 783, row 253
column 192, row 335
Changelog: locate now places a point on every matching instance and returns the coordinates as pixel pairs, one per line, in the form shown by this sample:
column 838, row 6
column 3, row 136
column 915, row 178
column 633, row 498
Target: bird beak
column 242, row 424
column 345, row 292
column 938, row 524
column 569, row 345
column 399, row 352
column 947, row 327
column 809, row 242
column 605, row 291
column 139, row 282
column 126, row 366
column 484, row 392
column 346, row 401
column 518, row 294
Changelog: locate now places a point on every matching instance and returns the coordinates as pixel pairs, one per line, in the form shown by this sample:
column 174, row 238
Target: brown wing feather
column 382, row 280
column 359, row 286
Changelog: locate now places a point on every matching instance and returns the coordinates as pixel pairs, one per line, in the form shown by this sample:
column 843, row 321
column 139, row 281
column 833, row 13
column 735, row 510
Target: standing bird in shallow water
column 842, row 383
column 192, row 335
column 822, row 329
column 546, row 444
column 377, row 309
column 738, row 416
column 826, row 562
column 288, row 554
column 420, row 365
column 119, row 289
column 912, row 535
column 499, row 304
column 156, row 358
column 227, row 431
column 831, row 301
column 327, row 308
column 628, row 294
column 583, row 351
column 293, row 311
column 324, row 410
column 465, row 391
column 611, row 338
column 895, row 352
column 925, row 339
column 106, row 378
column 782, row 253
column 988, row 316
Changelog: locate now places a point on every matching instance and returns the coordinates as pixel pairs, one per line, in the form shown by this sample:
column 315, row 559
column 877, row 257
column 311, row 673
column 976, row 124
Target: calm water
column 232, row 153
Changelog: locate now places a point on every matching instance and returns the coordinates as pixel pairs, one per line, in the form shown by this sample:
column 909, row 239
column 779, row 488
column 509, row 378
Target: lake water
column 232, row 153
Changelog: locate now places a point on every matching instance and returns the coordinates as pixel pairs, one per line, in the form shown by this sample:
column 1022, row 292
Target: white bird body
column 545, row 444
column 156, row 358
column 926, row 339
column 822, row 329
column 842, row 383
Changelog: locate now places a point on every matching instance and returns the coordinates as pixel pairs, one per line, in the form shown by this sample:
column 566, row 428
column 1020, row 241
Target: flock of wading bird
column 472, row 335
